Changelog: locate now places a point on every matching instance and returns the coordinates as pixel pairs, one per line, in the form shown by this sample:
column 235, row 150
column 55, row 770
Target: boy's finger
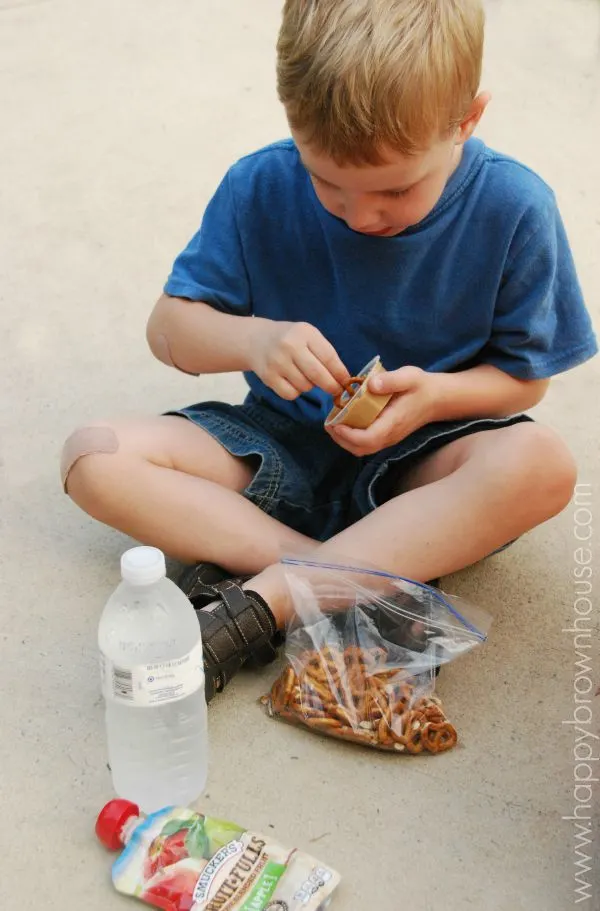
column 350, row 434
column 297, row 378
column 395, row 381
column 329, row 358
column 375, row 437
column 314, row 370
column 285, row 390
column 386, row 430
column 338, row 437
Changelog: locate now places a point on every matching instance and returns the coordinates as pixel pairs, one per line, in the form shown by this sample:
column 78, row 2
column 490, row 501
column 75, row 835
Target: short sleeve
column 212, row 268
column 541, row 326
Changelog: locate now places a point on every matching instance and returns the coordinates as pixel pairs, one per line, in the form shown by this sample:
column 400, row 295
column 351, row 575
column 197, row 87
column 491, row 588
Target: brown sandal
column 236, row 624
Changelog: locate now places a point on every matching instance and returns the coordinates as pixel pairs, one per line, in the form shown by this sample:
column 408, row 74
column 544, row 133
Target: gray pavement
column 118, row 119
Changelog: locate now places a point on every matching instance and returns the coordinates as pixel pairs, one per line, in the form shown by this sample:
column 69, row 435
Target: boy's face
column 384, row 200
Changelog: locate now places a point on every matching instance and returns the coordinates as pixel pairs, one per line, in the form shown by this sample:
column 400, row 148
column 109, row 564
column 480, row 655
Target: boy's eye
column 320, row 180
column 389, row 194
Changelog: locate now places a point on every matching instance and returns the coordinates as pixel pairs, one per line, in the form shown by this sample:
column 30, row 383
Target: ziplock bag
column 362, row 654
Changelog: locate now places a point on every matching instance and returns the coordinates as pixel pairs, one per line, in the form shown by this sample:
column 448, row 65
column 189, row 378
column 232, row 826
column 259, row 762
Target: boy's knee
column 91, row 440
column 549, row 469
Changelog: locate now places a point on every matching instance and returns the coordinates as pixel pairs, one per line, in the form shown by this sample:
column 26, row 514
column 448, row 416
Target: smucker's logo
column 243, row 871
column 212, row 868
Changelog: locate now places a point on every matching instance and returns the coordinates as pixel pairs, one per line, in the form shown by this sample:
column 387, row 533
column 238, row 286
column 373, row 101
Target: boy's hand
column 412, row 406
column 291, row 358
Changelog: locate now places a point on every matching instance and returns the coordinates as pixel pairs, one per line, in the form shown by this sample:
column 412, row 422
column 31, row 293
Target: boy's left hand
column 412, row 406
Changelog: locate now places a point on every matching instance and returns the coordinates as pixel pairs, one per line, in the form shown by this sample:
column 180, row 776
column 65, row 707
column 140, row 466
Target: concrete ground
column 118, row 119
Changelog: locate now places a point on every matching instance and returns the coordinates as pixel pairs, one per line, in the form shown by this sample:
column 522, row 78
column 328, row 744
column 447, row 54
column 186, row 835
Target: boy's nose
column 362, row 214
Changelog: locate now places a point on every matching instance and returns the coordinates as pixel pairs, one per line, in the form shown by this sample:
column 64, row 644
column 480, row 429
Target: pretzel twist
column 348, row 388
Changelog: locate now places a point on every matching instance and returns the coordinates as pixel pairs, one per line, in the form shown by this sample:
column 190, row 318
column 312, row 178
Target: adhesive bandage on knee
column 86, row 441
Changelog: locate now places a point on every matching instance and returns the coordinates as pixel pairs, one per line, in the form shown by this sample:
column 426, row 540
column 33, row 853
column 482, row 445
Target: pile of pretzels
column 354, row 695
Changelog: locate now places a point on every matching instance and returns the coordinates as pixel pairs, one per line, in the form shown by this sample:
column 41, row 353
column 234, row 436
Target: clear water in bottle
column 153, row 686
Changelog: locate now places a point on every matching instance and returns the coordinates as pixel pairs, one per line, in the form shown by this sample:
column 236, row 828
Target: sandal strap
column 237, row 626
column 243, row 607
column 198, row 582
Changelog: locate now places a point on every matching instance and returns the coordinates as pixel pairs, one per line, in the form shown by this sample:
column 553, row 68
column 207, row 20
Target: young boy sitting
column 381, row 228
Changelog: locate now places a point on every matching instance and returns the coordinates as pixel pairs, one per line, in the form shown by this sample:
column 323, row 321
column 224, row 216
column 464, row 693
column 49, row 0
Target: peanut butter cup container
column 356, row 406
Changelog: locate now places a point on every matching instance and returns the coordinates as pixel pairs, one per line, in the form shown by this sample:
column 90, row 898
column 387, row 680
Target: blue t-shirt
column 486, row 278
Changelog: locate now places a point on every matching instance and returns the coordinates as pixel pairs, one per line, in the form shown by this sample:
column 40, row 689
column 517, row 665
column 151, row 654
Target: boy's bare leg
column 170, row 484
column 454, row 508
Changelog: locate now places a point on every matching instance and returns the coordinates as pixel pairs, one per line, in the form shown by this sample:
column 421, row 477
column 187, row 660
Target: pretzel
column 439, row 736
column 384, row 731
column 358, row 736
column 351, row 694
column 288, row 682
column 323, row 668
column 313, row 688
column 348, row 388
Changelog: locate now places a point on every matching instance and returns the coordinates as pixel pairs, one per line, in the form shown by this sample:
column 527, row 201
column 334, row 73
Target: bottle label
column 153, row 684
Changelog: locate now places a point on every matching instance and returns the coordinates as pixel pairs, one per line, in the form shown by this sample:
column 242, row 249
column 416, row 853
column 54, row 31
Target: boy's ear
column 472, row 118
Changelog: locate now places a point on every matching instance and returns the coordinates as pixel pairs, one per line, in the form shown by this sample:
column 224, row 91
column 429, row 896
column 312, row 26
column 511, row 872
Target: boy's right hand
column 291, row 358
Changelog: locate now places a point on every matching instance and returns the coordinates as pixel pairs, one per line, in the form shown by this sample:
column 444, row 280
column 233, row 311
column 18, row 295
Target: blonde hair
column 356, row 76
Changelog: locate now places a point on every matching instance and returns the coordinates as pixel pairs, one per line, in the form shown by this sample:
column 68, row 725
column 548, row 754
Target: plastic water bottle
column 153, row 685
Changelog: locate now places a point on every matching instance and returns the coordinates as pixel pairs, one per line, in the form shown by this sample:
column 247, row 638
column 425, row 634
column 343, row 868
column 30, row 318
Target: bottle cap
column 143, row 565
column 111, row 820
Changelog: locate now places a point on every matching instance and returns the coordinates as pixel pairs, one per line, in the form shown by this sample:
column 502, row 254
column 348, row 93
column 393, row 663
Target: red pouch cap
column 110, row 822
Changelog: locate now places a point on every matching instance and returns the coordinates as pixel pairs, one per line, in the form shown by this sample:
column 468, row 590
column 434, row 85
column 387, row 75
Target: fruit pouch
column 180, row 860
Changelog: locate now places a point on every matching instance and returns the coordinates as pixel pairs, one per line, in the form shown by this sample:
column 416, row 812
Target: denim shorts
column 307, row 481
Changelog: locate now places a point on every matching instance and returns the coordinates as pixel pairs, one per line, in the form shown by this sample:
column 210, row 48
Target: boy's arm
column 195, row 338
column 420, row 398
column 290, row 358
column 483, row 391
